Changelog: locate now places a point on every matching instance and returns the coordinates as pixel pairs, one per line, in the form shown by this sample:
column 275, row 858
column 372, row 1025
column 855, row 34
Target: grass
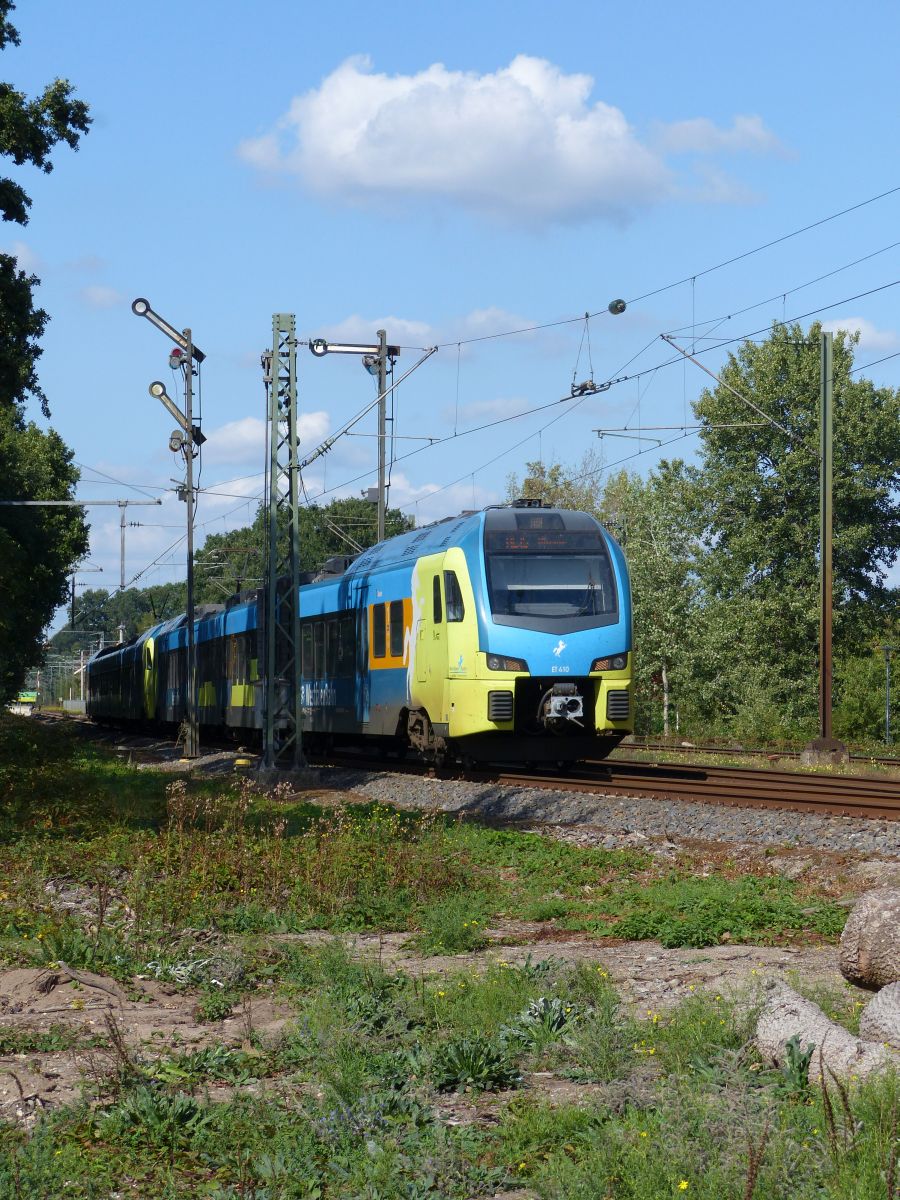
column 354, row 1108
column 198, row 884
column 148, row 858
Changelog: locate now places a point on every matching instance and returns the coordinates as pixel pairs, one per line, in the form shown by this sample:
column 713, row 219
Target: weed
column 546, row 1019
column 169, row 1122
column 451, row 926
column 216, row 1004
column 473, row 1064
column 36, row 1041
column 209, row 1062
column 794, row 1080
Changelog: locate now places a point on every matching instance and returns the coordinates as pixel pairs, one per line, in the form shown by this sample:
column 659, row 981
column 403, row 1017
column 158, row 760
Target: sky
column 447, row 172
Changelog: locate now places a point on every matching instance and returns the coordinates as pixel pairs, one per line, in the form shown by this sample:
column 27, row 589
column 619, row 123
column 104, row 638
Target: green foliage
column 216, row 1003
column 19, row 1040
column 795, row 1068
column 450, row 926
column 37, row 546
column 679, row 911
column 472, row 1063
column 724, row 555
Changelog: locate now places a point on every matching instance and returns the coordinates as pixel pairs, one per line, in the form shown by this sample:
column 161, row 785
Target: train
column 500, row 635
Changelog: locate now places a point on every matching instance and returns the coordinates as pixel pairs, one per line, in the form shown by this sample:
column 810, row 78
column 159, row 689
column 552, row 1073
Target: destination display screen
column 543, row 541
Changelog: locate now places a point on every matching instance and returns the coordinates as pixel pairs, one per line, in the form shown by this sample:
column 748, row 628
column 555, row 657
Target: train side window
column 307, row 639
column 378, row 631
column 332, row 645
column 456, row 610
column 396, row 629
column 348, row 646
column 438, row 614
column 319, row 642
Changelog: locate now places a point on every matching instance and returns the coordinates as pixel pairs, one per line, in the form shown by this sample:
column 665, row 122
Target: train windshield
column 550, row 578
column 552, row 586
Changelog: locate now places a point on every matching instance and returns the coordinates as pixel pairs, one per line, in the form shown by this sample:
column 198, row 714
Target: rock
column 785, row 1015
column 880, row 1021
column 870, row 943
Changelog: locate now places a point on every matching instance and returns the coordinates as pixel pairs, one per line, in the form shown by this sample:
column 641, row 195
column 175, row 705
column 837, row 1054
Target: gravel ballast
column 621, row 821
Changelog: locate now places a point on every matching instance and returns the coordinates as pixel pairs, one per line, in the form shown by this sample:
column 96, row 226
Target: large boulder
column 870, row 943
column 785, row 1015
column 880, row 1020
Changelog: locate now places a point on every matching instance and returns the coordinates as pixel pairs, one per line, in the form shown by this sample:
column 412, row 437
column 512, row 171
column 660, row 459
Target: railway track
column 866, row 796
column 747, row 787
column 771, row 754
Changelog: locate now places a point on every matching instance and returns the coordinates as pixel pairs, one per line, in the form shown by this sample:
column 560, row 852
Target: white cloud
column 244, row 440
column 365, row 331
column 702, row 136
column 98, row 296
column 481, row 322
column 523, row 142
column 432, row 501
column 870, row 337
column 26, row 258
column 526, row 143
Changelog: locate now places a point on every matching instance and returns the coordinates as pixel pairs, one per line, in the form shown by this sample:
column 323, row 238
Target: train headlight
column 496, row 662
column 617, row 663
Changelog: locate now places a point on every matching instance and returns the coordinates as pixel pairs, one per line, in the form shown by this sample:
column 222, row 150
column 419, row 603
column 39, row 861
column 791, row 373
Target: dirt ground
column 155, row 1018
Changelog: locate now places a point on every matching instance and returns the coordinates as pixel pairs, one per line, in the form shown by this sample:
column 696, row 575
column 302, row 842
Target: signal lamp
column 496, row 662
column 617, row 663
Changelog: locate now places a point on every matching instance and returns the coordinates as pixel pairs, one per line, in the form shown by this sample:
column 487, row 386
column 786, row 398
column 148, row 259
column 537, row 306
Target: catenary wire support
column 282, row 701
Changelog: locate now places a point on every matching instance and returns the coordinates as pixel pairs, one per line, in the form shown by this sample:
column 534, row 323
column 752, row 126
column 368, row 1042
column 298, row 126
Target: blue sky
column 446, row 172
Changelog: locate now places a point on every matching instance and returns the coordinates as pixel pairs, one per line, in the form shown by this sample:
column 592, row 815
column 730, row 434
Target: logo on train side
column 559, row 647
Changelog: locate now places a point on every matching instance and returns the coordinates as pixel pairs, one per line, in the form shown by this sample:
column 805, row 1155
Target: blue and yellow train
column 498, row 635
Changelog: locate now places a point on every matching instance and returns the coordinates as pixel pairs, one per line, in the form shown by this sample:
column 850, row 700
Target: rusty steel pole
column 826, row 472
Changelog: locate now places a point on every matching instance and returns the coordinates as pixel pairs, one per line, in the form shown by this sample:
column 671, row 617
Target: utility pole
column 282, row 701
column 192, row 737
column 382, row 430
column 187, row 438
column 122, row 504
column 888, row 650
column 826, row 472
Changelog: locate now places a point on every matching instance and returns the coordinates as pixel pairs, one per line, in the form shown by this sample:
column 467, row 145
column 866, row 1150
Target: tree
column 759, row 494
column 37, row 546
column 228, row 561
column 655, row 520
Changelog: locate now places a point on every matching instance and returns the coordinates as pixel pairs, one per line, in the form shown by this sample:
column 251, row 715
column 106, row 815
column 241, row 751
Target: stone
column 870, row 943
column 880, row 1020
column 785, row 1015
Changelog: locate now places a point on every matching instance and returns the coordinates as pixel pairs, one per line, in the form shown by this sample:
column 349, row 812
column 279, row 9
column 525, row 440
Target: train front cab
column 491, row 704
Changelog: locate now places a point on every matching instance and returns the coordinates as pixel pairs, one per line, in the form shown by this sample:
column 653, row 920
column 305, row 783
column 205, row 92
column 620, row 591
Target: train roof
column 452, row 531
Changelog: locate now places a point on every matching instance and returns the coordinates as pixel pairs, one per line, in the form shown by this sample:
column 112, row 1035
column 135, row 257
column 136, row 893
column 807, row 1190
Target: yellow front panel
column 242, row 695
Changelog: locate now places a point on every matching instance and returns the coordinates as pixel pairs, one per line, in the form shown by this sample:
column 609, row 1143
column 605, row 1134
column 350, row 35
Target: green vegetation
column 723, row 554
column 350, row 1100
column 148, row 858
column 37, row 546
column 477, row 1076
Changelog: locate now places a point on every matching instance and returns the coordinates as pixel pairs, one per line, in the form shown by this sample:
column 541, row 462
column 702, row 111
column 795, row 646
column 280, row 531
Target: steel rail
column 736, row 787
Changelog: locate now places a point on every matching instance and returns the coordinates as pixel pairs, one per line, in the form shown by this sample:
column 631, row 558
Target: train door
column 149, row 680
column 429, row 690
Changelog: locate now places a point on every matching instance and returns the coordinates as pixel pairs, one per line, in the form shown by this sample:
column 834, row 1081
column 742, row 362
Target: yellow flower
column 644, row 1133
column 441, row 993
column 683, row 1185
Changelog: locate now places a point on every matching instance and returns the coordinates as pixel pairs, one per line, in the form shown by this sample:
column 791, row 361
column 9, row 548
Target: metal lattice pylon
column 282, row 711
